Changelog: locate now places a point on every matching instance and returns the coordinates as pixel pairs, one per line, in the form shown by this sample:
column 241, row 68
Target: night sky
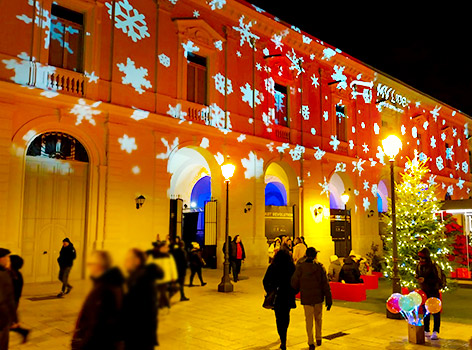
column 427, row 47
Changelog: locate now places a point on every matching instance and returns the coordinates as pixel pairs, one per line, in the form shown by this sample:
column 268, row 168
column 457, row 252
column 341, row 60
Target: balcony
column 66, row 81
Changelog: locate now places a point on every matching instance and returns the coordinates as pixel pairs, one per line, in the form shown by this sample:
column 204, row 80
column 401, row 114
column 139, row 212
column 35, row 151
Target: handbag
column 269, row 300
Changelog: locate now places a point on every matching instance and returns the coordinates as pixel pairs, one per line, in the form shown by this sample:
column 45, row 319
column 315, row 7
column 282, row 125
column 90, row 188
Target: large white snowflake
column 296, row 62
column 220, row 84
column 205, row 143
column 374, row 190
column 269, row 117
column 324, row 187
column 277, row 40
column 435, row 113
column 449, row 152
column 127, row 143
column 366, row 185
column 465, row 167
column 216, row 4
column 218, row 45
column 218, row 119
column 380, row 155
column 129, row 20
column 164, row 60
column 433, row 142
column 245, row 32
column 366, row 203
column 328, row 53
column 57, row 33
column 220, row 158
column 189, row 46
column 365, row 147
column 340, row 167
column 248, row 95
column 254, row 166
column 270, row 85
column 139, row 114
column 334, row 142
column 83, row 111
column 319, row 153
column 134, row 76
column 283, row 147
column 305, row 112
column 314, row 80
column 169, row 148
column 339, row 77
column 297, row 152
column 358, row 166
column 41, row 20
column 176, row 112
column 22, row 68
column 440, row 163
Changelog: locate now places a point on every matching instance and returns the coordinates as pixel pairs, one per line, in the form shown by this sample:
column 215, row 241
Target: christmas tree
column 418, row 224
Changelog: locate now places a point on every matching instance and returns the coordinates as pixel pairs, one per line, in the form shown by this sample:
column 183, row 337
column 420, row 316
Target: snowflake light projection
column 458, row 166
column 279, row 101
column 216, row 4
column 440, row 163
column 449, row 152
column 305, row 111
column 220, row 84
column 296, row 62
column 466, row 130
column 340, row 167
column 319, row 153
column 277, row 40
column 372, row 162
column 297, row 152
column 245, row 32
column 459, row 142
column 325, row 116
column 220, row 158
column 425, row 125
column 139, row 114
column 328, row 53
column 460, row 183
column 465, row 167
column 91, row 77
column 176, row 112
column 376, row 129
column 270, row 147
column 435, row 113
column 189, row 46
column 380, row 155
column 169, row 148
column 422, row 157
column 358, row 166
column 433, row 142
column 306, row 40
column 254, row 166
column 218, row 119
column 366, row 185
column 127, row 143
column 450, row 190
column 41, row 20
column 248, row 95
column 135, row 170
column 366, row 204
column 351, row 144
column 164, row 60
column 258, row 9
column 218, row 45
column 313, row 131
column 334, row 142
column 241, row 138
column 57, row 33
column 324, row 187
column 270, row 85
column 134, row 76
column 443, row 136
column 196, row 13
column 83, row 111
column 22, row 70
column 339, row 77
column 268, row 118
column 403, row 129
column 205, row 143
column 365, row 148
column 454, row 132
column 414, row 132
column 129, row 20
column 374, row 190
column 314, row 80
column 283, row 147
column 49, row 94
column 431, row 181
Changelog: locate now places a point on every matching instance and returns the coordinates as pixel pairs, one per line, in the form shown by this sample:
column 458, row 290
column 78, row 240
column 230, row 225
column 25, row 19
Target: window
column 280, row 105
column 66, row 39
column 449, row 154
column 59, row 146
column 197, row 79
column 341, row 123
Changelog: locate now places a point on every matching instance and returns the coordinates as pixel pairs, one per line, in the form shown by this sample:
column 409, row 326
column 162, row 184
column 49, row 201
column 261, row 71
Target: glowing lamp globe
column 345, row 198
column 391, row 146
column 227, row 169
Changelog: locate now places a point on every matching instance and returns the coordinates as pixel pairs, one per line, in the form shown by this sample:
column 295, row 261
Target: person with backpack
column 431, row 280
column 66, row 259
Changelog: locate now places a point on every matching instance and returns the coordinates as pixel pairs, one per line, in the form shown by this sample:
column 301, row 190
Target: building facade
column 117, row 115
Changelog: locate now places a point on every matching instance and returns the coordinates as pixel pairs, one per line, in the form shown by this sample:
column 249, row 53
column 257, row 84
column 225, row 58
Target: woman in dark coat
column 16, row 263
column 237, row 255
column 278, row 278
column 140, row 302
column 99, row 322
column 196, row 263
column 180, row 257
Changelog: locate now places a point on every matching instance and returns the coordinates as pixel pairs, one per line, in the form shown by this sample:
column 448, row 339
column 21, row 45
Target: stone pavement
column 214, row 321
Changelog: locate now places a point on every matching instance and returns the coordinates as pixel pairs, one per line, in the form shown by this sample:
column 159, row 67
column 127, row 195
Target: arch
column 201, row 192
column 283, row 179
column 57, row 145
column 338, row 184
column 382, row 197
column 275, row 194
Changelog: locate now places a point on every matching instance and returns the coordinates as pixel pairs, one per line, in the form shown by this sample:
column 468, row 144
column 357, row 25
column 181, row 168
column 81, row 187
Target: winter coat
column 17, row 279
column 167, row 264
column 234, row 251
column 311, row 280
column 196, row 260
column 334, row 270
column 67, row 256
column 350, row 272
column 140, row 308
column 432, row 278
column 299, row 252
column 99, row 322
column 279, row 279
column 7, row 299
column 180, row 257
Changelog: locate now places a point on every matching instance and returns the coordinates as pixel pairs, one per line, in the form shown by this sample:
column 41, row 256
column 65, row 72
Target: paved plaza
column 214, row 321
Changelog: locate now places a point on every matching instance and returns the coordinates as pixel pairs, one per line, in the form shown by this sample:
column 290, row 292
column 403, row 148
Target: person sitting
column 334, row 268
column 350, row 271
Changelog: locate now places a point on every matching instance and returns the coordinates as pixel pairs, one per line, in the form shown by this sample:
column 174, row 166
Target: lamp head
column 391, row 146
column 345, row 197
column 227, row 169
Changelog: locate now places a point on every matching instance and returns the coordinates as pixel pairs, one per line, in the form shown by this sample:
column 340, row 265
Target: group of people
column 349, row 269
column 297, row 248
column 236, row 254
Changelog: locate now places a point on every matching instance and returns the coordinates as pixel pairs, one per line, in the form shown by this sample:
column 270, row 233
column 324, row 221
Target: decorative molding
column 198, row 31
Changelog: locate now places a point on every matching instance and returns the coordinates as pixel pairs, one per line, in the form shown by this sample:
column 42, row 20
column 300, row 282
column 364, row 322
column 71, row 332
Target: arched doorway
column 340, row 216
column 54, row 205
column 382, row 197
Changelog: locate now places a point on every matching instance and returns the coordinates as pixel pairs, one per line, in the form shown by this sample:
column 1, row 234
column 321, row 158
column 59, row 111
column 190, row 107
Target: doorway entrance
column 54, row 204
column 340, row 217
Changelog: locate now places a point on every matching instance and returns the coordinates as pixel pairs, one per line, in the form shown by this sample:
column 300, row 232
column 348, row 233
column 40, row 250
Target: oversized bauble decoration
column 417, row 299
column 433, row 305
column 423, row 295
column 406, row 303
column 392, row 303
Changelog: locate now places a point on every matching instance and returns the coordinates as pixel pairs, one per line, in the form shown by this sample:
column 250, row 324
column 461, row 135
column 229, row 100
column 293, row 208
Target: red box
column 378, row 274
column 348, row 291
column 371, row 282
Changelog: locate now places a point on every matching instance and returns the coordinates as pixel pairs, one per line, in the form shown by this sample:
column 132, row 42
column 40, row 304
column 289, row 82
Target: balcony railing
column 67, row 82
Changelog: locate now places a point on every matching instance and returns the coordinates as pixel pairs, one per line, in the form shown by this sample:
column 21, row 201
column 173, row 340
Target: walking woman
column 237, row 256
column 278, row 278
column 196, row 263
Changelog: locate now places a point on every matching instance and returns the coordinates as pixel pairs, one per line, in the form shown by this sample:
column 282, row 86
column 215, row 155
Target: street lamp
column 227, row 169
column 345, row 199
column 391, row 146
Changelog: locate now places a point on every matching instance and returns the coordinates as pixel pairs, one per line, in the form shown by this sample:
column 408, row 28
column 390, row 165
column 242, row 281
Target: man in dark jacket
column 311, row 280
column 180, row 256
column 66, row 260
column 237, row 256
column 350, row 271
column 429, row 276
column 16, row 263
column 140, row 303
column 7, row 299
column 99, row 322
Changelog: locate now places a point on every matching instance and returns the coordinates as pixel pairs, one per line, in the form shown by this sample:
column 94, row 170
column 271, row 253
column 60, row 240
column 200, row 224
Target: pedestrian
column 140, row 302
column 303, row 241
column 274, row 247
column 299, row 250
column 431, row 280
column 238, row 255
column 66, row 259
column 180, row 257
column 311, row 280
column 166, row 262
column 99, row 323
column 196, row 264
column 287, row 244
column 334, row 268
column 7, row 299
column 350, row 271
column 278, row 278
column 16, row 263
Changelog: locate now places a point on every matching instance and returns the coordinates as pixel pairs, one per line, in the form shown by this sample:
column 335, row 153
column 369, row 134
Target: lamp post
column 391, row 146
column 345, row 199
column 227, row 169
